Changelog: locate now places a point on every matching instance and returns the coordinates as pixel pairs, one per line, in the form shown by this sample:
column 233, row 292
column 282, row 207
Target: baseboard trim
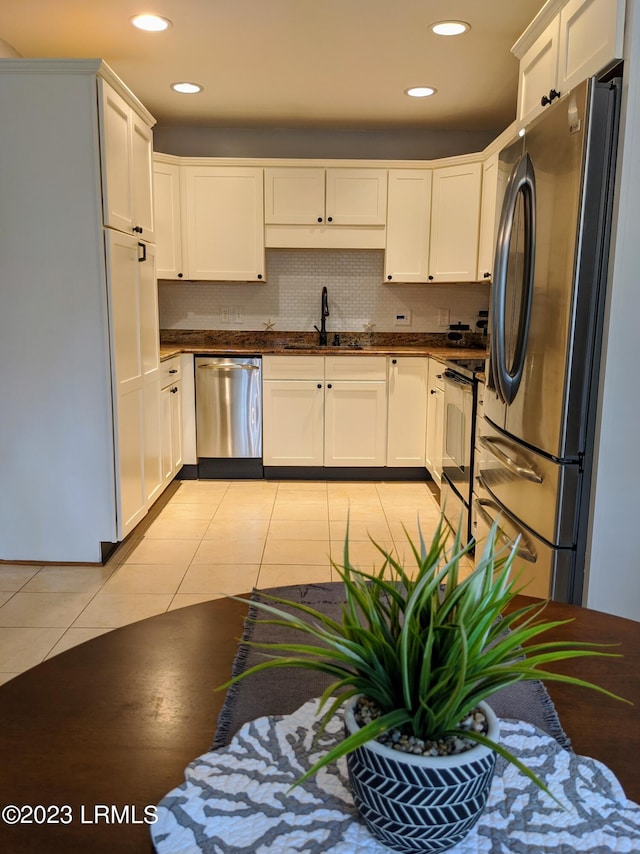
column 221, row 468
column 416, row 473
column 188, row 472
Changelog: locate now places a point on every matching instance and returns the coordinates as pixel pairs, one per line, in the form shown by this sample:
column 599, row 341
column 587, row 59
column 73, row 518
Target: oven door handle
column 507, row 456
column 467, row 385
column 525, row 549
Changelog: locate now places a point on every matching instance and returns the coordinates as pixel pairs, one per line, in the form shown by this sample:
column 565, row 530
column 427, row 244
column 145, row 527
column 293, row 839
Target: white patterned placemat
column 236, row 799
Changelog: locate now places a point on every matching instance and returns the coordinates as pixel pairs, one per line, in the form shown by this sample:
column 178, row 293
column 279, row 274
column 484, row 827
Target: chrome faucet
column 324, row 313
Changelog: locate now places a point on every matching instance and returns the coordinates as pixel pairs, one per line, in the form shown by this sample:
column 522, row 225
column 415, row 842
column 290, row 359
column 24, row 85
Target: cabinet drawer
column 356, row 367
column 170, row 371
column 293, row 367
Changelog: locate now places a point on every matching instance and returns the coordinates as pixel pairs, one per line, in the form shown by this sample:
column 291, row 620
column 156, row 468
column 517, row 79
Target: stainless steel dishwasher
column 229, row 416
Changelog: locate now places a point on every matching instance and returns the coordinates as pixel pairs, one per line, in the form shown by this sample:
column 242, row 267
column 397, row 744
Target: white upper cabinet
column 408, row 217
column 166, row 196
column 127, row 146
column 455, row 222
column 224, row 223
column 294, row 196
column 316, row 196
column 591, row 34
column 356, row 196
column 566, row 43
column 488, row 216
column 538, row 73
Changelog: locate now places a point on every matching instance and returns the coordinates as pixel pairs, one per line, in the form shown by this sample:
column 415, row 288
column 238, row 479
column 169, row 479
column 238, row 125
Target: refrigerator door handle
column 508, row 456
column 526, row 551
column 521, row 185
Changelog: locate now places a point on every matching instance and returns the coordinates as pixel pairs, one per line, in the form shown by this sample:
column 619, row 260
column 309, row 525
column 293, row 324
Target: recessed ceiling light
column 187, row 88
column 449, row 28
column 420, row 91
column 150, row 23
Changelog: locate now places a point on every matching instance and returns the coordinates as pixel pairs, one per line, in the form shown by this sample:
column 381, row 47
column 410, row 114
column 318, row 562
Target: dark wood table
column 113, row 722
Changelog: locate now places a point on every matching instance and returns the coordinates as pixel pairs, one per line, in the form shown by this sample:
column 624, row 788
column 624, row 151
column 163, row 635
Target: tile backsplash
column 290, row 297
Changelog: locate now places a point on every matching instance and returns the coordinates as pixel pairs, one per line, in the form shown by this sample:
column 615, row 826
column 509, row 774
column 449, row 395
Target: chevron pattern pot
column 420, row 803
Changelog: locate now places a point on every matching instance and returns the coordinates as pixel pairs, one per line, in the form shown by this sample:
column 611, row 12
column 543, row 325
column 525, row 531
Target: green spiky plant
column 426, row 648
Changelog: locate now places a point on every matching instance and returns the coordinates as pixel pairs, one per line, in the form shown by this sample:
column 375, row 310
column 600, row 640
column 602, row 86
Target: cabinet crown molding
column 98, row 67
column 537, row 26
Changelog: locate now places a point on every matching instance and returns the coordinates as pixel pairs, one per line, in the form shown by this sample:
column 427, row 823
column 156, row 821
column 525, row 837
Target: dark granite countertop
column 173, row 342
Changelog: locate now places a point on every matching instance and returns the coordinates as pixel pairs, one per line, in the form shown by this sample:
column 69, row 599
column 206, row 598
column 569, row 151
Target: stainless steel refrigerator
column 534, row 448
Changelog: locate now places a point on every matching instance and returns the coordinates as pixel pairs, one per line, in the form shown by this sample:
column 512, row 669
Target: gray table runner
column 282, row 691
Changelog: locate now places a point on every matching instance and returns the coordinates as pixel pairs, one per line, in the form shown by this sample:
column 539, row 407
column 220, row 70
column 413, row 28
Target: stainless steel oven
column 458, row 443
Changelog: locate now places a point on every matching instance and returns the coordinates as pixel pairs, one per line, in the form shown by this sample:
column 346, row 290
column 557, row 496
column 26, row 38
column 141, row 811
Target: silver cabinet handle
column 525, row 549
column 513, row 461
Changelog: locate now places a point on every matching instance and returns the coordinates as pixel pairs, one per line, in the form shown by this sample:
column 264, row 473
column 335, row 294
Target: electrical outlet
column 403, row 318
column 443, row 317
column 225, row 313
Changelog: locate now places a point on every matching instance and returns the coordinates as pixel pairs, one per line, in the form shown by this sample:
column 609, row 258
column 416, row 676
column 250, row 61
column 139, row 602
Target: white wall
column 613, row 565
column 290, row 297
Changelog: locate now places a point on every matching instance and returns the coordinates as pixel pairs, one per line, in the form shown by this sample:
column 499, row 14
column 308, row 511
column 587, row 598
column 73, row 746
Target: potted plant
column 414, row 658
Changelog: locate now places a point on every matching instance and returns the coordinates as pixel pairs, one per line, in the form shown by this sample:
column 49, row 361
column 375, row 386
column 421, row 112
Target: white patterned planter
column 420, row 803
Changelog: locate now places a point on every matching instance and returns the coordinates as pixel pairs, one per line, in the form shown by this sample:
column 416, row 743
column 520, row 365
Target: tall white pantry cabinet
column 80, row 442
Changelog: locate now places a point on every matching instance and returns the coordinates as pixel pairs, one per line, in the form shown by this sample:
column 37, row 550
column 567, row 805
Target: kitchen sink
column 324, row 348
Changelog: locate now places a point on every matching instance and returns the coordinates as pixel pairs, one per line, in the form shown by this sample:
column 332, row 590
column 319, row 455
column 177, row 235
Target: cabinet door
column 455, row 223
column 408, row 217
column 591, row 33
column 293, row 196
column 538, row 72
column 166, row 419
column 142, row 178
column 407, row 411
column 153, row 439
column 224, row 221
column 356, row 196
column 293, row 422
column 128, row 378
column 487, row 242
column 176, row 427
column 355, row 423
column 168, row 228
column 435, row 418
column 117, row 199
column 149, row 325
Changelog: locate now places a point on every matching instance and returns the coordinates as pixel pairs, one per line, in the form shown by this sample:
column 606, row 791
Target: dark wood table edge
column 116, row 719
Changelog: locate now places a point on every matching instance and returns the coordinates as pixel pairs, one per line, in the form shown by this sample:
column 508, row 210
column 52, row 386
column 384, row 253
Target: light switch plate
column 443, row 317
column 403, row 318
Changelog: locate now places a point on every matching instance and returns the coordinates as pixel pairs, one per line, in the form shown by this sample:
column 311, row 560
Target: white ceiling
column 293, row 63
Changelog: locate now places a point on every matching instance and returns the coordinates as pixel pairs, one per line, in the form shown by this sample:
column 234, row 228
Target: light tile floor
column 202, row 540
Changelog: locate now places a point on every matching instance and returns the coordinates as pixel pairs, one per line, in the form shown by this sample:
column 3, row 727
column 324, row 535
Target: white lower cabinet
column 153, row 437
column 133, row 317
column 293, row 422
column 407, row 410
column 293, row 410
column 171, row 419
column 321, row 411
column 355, row 423
column 435, row 420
